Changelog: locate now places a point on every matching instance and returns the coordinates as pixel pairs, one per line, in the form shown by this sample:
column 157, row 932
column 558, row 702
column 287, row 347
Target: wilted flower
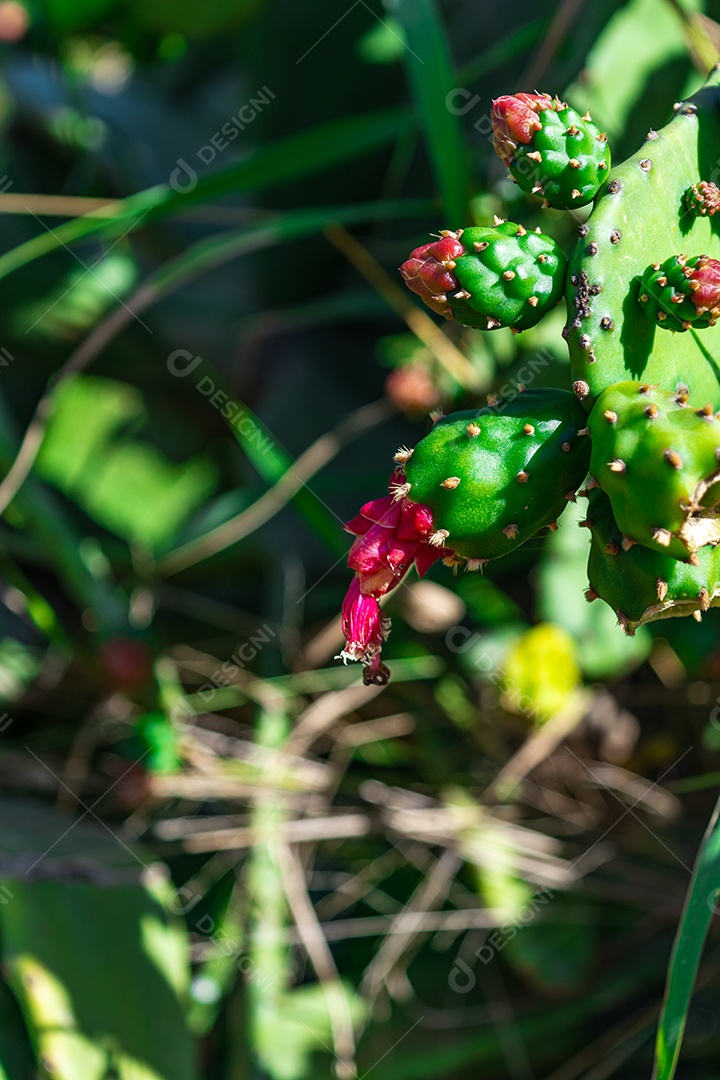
column 392, row 533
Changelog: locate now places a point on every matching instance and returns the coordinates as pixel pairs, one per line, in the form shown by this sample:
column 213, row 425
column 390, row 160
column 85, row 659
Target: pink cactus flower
column 391, row 535
column 705, row 285
column 514, row 120
column 428, row 272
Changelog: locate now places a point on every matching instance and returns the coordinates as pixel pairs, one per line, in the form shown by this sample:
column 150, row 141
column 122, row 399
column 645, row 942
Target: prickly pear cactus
column 489, row 277
column 641, row 218
column 493, row 477
column 657, row 459
column 643, row 296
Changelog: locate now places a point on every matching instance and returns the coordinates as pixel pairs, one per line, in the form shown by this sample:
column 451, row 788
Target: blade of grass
column 700, row 906
column 508, row 48
column 40, row 515
column 37, row 609
column 425, row 329
column 200, row 258
column 279, row 162
column 430, row 74
column 322, row 451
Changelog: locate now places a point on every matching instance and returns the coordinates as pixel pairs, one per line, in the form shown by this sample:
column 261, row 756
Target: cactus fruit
column 639, row 217
column 682, row 292
column 479, row 485
column 658, row 459
column 550, row 149
column 703, row 199
column 488, row 277
column 642, row 585
column 492, row 477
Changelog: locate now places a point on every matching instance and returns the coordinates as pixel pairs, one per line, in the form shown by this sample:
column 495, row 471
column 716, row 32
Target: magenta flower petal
column 385, row 511
column 515, row 120
column 358, row 525
column 391, row 533
column 363, row 625
column 416, row 521
column 380, row 583
column 426, row 556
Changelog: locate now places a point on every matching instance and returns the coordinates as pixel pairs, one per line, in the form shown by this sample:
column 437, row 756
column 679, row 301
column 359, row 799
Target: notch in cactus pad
column 642, row 585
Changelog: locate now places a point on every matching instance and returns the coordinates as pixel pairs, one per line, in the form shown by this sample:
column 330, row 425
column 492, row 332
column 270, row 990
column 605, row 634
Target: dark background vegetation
column 341, row 855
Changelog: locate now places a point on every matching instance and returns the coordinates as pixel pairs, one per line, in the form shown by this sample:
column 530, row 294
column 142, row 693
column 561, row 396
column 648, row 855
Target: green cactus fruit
column 658, row 459
column 682, row 292
column 640, row 217
column 550, row 149
column 492, row 477
column 703, row 199
column 642, row 585
column 488, row 277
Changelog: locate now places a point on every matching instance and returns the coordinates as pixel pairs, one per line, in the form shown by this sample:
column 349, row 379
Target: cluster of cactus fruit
column 639, row 436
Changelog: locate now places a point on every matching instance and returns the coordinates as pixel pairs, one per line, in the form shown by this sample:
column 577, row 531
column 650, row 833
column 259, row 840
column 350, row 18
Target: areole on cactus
column 484, row 481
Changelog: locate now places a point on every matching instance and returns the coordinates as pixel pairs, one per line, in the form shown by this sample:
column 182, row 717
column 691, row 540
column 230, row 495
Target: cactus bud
column 514, row 119
column 428, row 272
column 488, row 277
column 703, row 199
column 682, row 292
column 640, row 584
column 550, row 149
column 658, row 463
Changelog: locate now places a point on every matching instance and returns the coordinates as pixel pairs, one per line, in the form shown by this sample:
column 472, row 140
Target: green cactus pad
column 657, row 458
column 510, row 277
column 567, row 161
column 641, row 585
column 666, row 298
column 639, row 218
column 494, row 476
